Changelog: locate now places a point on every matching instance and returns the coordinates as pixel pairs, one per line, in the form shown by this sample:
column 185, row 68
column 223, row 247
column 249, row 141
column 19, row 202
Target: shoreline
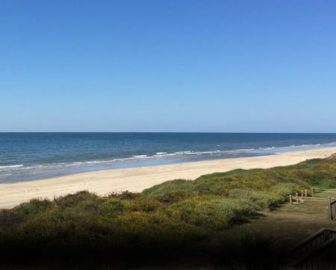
column 137, row 179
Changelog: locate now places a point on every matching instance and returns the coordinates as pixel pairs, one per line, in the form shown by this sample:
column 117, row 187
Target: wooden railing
column 312, row 245
column 332, row 208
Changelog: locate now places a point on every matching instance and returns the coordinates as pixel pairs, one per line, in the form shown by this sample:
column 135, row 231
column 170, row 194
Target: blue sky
column 168, row 65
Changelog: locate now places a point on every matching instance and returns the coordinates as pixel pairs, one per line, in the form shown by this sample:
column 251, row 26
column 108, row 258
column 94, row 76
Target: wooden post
column 306, row 193
column 330, row 210
column 290, row 199
column 312, row 192
column 296, row 198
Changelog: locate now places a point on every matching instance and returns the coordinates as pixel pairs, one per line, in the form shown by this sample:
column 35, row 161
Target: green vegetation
column 176, row 218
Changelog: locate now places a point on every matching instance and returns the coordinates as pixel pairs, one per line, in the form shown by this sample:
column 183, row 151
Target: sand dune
column 137, row 179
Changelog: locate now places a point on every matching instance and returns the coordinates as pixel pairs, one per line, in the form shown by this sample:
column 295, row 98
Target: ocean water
column 27, row 156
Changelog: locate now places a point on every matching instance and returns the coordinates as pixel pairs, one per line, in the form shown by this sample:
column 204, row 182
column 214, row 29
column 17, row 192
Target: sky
column 168, row 65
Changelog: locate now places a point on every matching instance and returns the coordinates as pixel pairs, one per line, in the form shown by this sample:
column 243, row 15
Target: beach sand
column 137, row 179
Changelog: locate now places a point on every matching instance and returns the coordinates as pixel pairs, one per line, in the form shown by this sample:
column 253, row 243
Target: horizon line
column 200, row 132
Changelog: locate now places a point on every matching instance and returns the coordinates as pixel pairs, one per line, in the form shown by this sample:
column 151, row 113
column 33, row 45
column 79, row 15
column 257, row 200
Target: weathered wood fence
column 300, row 198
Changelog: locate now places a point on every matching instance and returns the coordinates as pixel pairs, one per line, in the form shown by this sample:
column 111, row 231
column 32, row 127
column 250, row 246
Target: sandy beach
column 137, row 179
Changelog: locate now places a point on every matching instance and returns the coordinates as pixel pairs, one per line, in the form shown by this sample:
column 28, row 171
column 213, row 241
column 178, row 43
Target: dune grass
column 177, row 216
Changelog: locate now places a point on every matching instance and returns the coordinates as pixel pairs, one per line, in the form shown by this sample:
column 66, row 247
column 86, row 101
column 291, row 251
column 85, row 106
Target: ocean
column 28, row 156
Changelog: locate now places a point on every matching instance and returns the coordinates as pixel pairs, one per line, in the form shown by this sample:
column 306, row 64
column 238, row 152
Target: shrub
column 126, row 195
column 155, row 230
column 112, row 206
column 261, row 200
column 285, row 189
column 8, row 218
column 171, row 191
column 33, row 207
column 143, row 204
column 211, row 212
column 74, row 199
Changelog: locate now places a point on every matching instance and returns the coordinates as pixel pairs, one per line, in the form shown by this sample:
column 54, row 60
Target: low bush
column 212, row 212
column 33, row 207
